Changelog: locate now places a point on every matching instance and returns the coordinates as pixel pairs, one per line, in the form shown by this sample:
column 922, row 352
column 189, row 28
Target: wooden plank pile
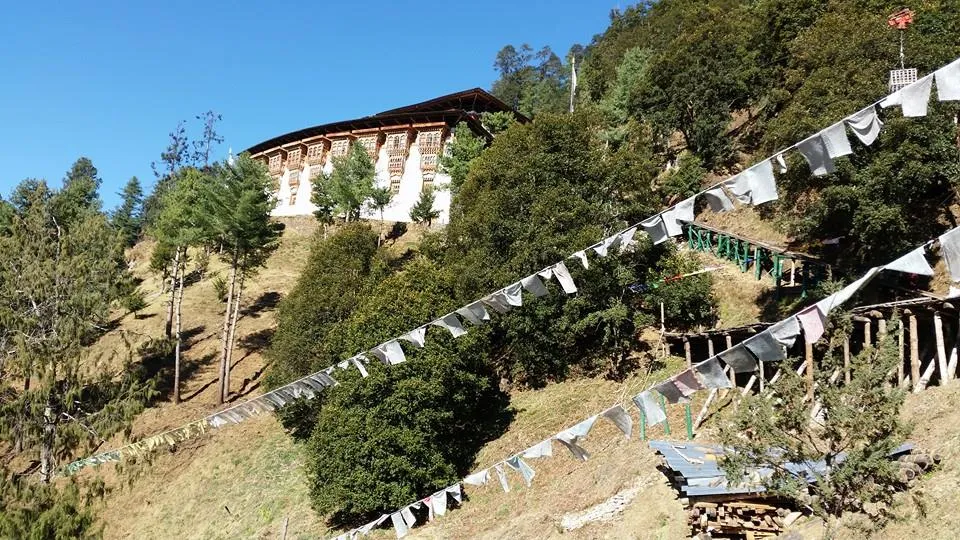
column 914, row 464
column 751, row 519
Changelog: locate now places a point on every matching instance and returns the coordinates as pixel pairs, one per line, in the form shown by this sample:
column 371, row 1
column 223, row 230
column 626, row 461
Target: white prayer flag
column 620, row 418
column 717, row 200
column 475, row 313
column 478, row 478
column 563, row 276
column 866, row 125
column 541, row 449
column 655, row 228
column 652, row 411
column 814, row 151
column 836, row 141
column 513, row 294
column 582, row 255
column 912, row 263
column 451, row 323
column 534, row 286
column 389, row 352
column 950, row 250
column 948, row 82
column 415, row 336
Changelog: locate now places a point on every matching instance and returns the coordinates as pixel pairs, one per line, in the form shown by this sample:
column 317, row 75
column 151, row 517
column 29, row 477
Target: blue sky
column 108, row 80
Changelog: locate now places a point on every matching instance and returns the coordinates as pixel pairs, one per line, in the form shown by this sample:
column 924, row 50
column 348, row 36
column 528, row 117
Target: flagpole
column 573, row 79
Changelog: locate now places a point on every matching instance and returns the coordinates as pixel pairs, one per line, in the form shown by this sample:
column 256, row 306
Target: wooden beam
column 914, row 351
column 710, row 352
column 686, row 352
column 901, row 379
column 808, row 357
column 867, row 341
column 941, row 348
column 846, row 360
column 925, row 378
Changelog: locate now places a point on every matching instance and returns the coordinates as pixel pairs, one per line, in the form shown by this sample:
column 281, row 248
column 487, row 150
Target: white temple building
column 405, row 144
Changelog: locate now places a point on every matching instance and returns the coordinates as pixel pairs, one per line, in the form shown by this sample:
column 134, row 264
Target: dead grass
column 740, row 296
column 746, row 222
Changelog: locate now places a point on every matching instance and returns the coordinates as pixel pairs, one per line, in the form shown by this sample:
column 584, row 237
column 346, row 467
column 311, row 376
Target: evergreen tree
column 127, row 218
column 61, row 266
column 349, row 185
column 380, row 199
column 422, row 211
column 531, row 83
column 180, row 225
column 238, row 202
column 857, row 425
column 204, row 146
column 463, row 149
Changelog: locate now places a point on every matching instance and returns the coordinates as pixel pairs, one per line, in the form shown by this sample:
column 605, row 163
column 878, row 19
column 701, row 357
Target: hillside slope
column 246, row 481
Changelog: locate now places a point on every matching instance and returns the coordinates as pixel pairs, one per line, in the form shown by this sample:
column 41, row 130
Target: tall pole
column 573, row 79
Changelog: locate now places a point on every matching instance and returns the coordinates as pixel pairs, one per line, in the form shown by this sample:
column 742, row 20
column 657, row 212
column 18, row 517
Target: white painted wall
column 411, row 184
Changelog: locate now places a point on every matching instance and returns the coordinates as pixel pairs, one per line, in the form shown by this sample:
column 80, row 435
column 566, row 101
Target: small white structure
column 405, row 145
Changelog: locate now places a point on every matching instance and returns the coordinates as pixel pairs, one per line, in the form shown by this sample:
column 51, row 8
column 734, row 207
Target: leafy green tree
column 182, row 224
column 61, row 266
column 238, row 201
column 32, row 510
column 348, row 186
column 463, row 149
column 380, row 199
column 853, row 444
column 422, row 211
column 128, row 218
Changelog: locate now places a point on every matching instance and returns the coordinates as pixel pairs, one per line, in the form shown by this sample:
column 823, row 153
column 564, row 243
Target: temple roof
column 465, row 106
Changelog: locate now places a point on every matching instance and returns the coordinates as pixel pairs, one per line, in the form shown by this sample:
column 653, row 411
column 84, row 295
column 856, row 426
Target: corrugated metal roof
column 697, row 471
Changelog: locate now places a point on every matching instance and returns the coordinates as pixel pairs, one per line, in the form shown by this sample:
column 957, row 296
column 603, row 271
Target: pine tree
column 380, row 199
column 422, row 211
column 238, row 202
column 61, row 266
column 180, row 225
column 127, row 218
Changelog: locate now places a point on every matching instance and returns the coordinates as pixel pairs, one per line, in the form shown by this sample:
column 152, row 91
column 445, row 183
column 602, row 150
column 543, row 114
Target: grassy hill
column 246, row 481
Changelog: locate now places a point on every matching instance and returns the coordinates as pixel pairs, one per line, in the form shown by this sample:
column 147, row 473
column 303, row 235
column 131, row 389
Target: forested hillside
column 672, row 97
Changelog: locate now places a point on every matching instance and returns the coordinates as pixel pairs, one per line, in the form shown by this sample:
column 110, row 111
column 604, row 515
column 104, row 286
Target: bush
column 220, row 288
column 35, row 511
column 134, row 302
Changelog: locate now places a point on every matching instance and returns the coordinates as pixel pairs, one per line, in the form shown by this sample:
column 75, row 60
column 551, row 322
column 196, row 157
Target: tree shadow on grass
column 265, row 302
column 157, row 363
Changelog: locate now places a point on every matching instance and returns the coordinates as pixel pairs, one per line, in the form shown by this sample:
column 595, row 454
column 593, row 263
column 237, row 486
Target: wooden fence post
column 808, row 354
column 846, row 359
column 901, row 378
column 914, row 350
column 686, row 351
column 941, row 348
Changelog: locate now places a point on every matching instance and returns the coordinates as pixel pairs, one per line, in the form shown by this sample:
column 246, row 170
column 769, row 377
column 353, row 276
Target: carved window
column 339, row 148
column 429, row 144
column 369, row 143
column 315, row 153
column 293, row 159
column 275, row 162
column 294, row 179
column 395, row 184
column 397, row 152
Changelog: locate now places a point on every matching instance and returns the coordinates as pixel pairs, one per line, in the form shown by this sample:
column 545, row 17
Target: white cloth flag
column 451, row 323
column 718, row 200
column 813, row 321
column 765, row 347
column 653, row 413
column 503, row 478
column 389, row 352
column 569, row 437
column 655, row 228
column 669, row 390
column 563, row 276
column 455, row 492
column 814, row 151
column 620, row 418
column 827, row 304
column 521, row 466
column 438, row 502
column 475, row 313
column 497, row 301
column 739, row 358
column 408, row 516
column 915, row 97
column 676, row 216
column 534, row 286
column 478, row 478
column 763, row 186
column 948, row 82
column 608, row 243
column 541, row 449
column 513, row 294
column 582, row 255
column 912, row 263
column 626, row 238
column 786, row 331
column 358, row 362
column 712, row 375
column 398, row 525
column 739, row 186
column 836, row 141
column 866, row 125
column 782, row 163
column 416, row 336
column 373, row 524
column 950, row 249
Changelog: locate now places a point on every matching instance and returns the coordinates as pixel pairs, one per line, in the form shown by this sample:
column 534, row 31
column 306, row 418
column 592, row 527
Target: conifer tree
column 238, row 203
column 422, row 211
column 380, row 199
column 349, row 185
column 127, row 218
column 61, row 266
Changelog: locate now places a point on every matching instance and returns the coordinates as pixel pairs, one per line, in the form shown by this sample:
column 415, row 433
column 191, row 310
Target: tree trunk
column 225, row 334
column 231, row 336
column 18, row 428
column 168, row 326
column 178, row 317
column 380, row 234
column 46, row 444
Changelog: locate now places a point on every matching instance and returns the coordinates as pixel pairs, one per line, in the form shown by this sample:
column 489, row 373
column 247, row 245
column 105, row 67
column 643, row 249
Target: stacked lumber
column 749, row 518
